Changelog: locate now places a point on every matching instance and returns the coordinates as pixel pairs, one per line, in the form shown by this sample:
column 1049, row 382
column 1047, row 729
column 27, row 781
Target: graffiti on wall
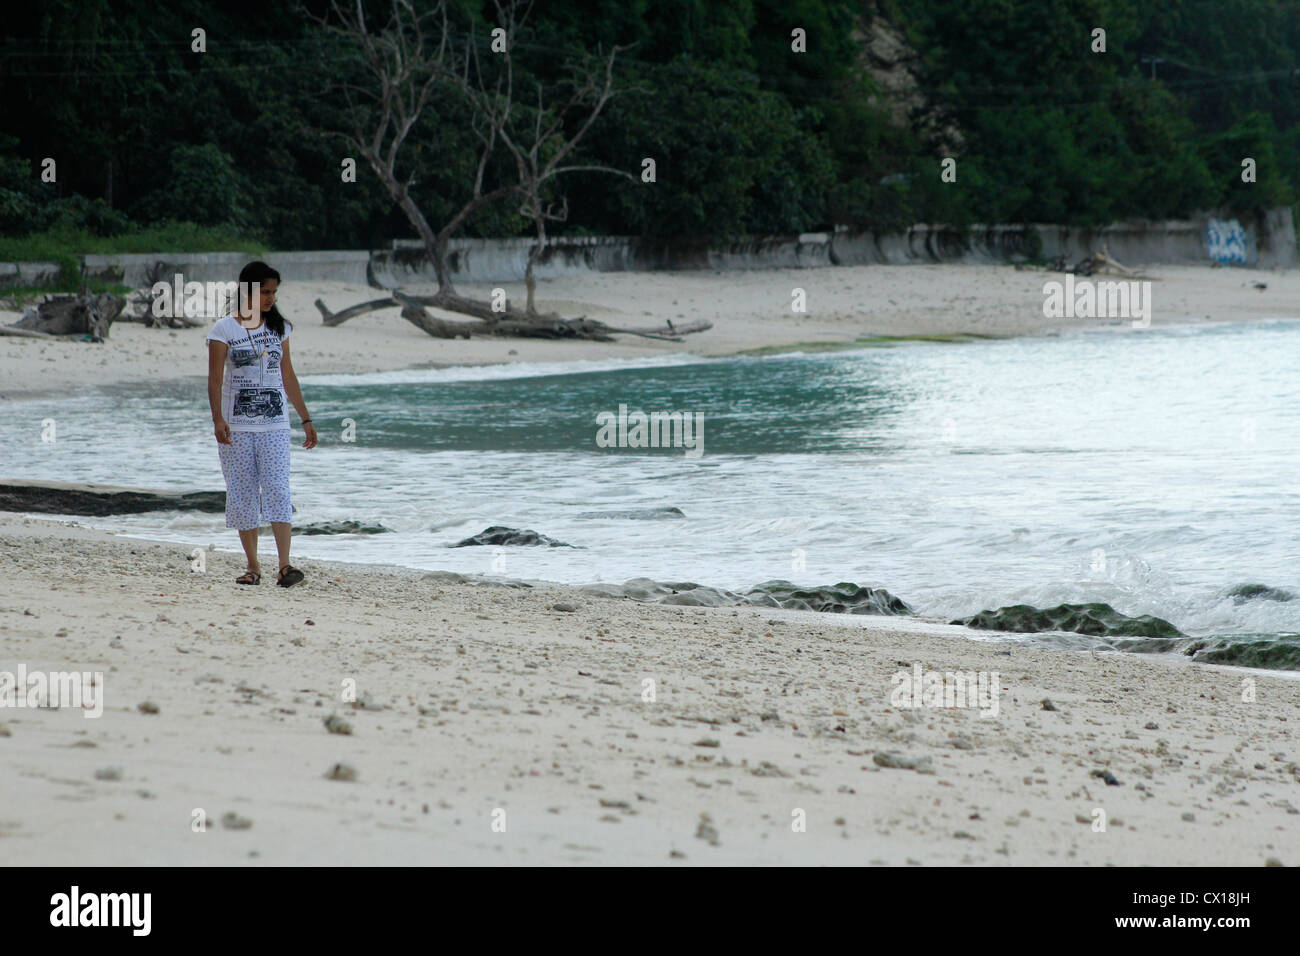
column 1227, row 241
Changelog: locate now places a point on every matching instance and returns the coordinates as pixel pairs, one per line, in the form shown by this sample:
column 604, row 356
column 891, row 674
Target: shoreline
column 848, row 307
column 918, row 622
column 884, row 341
column 505, row 700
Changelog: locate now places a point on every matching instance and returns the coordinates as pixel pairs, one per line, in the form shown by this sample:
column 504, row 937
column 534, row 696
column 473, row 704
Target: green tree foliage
column 201, row 186
column 748, row 135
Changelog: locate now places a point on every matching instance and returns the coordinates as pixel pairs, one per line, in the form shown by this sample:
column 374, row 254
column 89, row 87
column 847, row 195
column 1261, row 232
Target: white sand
column 492, row 701
column 749, row 310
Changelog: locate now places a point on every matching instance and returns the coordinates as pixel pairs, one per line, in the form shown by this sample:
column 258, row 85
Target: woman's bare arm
column 216, row 371
column 294, row 391
column 291, row 387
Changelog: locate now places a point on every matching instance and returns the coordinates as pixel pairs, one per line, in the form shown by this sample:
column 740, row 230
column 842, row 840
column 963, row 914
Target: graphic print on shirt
column 243, row 357
column 258, row 403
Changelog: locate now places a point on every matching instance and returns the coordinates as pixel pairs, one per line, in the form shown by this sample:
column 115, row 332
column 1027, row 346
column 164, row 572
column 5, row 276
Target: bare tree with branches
column 538, row 143
column 404, row 62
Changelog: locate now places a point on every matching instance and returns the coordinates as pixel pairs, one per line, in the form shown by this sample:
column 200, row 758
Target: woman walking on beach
column 249, row 377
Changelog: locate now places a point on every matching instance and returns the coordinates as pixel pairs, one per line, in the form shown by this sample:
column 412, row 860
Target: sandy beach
column 481, row 706
column 496, row 724
column 749, row 310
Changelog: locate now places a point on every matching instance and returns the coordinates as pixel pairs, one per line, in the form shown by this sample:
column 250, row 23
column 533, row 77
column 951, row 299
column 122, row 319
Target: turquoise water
column 1151, row 469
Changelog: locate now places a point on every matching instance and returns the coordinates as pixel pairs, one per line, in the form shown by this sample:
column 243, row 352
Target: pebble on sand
column 148, row 707
column 900, row 761
column 108, row 773
column 1048, row 705
column 337, row 725
column 233, row 821
column 341, row 771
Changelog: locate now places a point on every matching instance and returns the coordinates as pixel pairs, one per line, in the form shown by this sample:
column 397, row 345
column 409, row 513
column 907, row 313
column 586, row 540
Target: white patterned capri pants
column 256, row 466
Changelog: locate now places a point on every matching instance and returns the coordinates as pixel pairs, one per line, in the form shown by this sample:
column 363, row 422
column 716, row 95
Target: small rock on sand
column 108, row 773
column 900, row 761
column 148, row 707
column 563, row 606
column 1048, row 705
column 341, row 771
column 233, row 821
column 337, row 725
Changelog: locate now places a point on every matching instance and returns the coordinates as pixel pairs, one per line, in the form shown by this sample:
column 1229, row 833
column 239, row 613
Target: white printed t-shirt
column 252, row 391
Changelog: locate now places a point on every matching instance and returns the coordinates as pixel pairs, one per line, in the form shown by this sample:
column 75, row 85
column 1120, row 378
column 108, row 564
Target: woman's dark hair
column 259, row 272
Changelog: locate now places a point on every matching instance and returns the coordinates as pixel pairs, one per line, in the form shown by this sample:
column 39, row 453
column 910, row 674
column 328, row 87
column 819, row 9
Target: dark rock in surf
column 498, row 535
column 842, row 598
column 1259, row 592
column 1282, row 654
column 341, row 527
column 1098, row 620
column 682, row 593
column 79, row 498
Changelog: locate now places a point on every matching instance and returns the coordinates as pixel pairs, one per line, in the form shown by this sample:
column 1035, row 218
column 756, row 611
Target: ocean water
column 1152, row 469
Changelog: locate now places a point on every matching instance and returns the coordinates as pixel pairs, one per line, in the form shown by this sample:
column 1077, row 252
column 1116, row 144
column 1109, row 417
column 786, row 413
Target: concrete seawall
column 1264, row 241
column 348, row 265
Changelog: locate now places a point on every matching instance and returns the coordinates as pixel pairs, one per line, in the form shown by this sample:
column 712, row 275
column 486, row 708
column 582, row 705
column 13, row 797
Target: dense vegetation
column 748, row 136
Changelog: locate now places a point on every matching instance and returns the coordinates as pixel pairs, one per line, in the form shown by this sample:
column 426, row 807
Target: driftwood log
column 63, row 315
column 510, row 322
column 1095, row 264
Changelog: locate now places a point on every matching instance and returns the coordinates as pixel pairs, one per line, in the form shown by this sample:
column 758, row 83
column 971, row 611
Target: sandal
column 289, row 576
column 249, row 577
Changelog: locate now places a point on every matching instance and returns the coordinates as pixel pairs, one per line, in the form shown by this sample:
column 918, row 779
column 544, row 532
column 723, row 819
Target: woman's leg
column 273, row 474
column 249, row 540
column 239, row 466
column 283, row 532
